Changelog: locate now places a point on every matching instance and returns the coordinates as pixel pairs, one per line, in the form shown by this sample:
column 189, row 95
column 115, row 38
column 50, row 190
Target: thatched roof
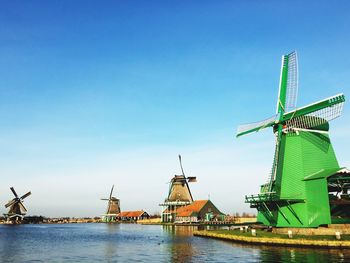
column 179, row 189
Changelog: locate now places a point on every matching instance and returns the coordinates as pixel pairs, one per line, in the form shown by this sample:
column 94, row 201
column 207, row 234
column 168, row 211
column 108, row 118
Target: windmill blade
column 292, row 82
column 110, row 196
column 13, row 201
column 273, row 173
column 105, row 199
column 25, row 195
column 181, row 165
column 288, row 87
column 22, row 207
column 180, row 179
column 256, row 126
column 192, row 179
column 315, row 114
column 108, row 207
column 14, row 192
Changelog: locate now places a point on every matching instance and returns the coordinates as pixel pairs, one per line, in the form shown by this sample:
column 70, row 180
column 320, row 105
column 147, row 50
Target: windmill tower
column 179, row 195
column 16, row 208
column 113, row 208
column 301, row 190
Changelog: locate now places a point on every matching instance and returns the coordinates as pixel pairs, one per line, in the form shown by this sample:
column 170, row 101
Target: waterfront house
column 198, row 211
column 132, row 216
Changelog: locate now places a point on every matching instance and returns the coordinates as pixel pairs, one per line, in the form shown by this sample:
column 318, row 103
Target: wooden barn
column 132, row 216
column 198, row 211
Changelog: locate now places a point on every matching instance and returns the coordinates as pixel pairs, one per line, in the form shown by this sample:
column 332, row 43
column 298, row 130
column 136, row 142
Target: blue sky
column 94, row 93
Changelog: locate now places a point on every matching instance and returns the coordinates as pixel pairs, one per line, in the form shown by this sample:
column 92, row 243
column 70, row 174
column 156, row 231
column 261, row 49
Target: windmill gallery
column 306, row 187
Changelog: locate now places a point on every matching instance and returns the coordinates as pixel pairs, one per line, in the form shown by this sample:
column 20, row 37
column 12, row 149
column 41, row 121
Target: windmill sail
column 26, row 195
column 288, row 90
column 182, row 169
column 292, row 82
column 255, row 126
column 22, row 207
column 10, row 203
column 287, row 97
column 14, row 192
column 110, row 201
column 272, row 176
column 110, row 195
column 317, row 114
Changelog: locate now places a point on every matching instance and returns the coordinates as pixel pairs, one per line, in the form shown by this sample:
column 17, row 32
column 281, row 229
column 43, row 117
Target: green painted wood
column 281, row 101
column 297, row 194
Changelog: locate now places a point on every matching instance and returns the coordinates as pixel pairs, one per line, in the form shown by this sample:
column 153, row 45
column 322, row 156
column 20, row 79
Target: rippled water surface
column 139, row 243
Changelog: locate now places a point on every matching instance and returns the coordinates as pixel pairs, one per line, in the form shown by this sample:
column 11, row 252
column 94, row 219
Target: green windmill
column 306, row 186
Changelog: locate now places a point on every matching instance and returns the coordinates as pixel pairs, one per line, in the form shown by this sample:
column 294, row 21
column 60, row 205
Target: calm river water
column 139, row 243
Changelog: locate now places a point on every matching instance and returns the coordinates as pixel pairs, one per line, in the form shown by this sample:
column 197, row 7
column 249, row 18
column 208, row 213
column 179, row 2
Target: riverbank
column 268, row 238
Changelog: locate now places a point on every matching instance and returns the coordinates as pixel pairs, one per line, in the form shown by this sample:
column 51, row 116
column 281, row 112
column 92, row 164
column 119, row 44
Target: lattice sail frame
column 319, row 117
column 287, row 97
column 267, row 187
column 255, row 126
column 292, row 82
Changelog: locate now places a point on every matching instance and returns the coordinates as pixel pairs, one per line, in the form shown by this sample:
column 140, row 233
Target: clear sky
column 95, row 93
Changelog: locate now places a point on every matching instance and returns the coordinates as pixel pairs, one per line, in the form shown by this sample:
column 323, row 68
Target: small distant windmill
column 179, row 195
column 305, row 169
column 113, row 208
column 16, row 208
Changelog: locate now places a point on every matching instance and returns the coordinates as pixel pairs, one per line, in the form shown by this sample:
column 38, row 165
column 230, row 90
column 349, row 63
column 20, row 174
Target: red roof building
column 200, row 210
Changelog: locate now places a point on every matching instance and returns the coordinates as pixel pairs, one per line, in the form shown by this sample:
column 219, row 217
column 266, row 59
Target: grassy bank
column 268, row 238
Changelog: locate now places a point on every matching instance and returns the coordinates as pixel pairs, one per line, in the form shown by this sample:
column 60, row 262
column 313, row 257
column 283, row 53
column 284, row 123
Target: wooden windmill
column 179, row 194
column 113, row 208
column 16, row 208
column 305, row 180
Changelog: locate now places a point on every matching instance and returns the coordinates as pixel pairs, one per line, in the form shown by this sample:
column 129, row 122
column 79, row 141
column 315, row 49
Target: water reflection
column 304, row 255
column 112, row 228
column 180, row 230
column 273, row 254
column 111, row 247
column 180, row 248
